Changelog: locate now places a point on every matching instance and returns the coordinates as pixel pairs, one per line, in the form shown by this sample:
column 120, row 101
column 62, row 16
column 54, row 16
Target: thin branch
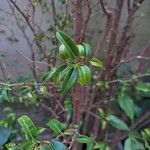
column 31, row 61
column 131, row 59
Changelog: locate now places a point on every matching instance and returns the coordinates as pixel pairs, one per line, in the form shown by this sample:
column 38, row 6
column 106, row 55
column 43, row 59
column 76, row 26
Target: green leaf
column 48, row 75
column 133, row 144
column 116, row 122
column 84, row 73
column 55, row 125
column 57, row 74
column 28, row 128
column 69, row 80
column 4, row 135
column 72, row 49
column 32, row 97
column 69, row 107
column 101, row 146
column 63, row 52
column 84, row 139
column 96, row 62
column 127, row 105
column 143, row 87
column 56, row 145
column 43, row 91
column 87, row 50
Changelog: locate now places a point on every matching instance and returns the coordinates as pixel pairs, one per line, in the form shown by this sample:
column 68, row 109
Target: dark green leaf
column 96, row 62
column 72, row 49
column 69, row 80
column 56, row 145
column 127, row 105
column 57, row 74
column 48, row 75
column 116, row 122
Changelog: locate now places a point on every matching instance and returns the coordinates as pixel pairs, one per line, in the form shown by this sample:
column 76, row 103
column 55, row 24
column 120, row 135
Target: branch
column 31, row 61
column 131, row 59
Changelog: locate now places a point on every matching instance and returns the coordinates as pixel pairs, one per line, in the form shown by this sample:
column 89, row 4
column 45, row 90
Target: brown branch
column 86, row 20
column 78, row 20
column 131, row 59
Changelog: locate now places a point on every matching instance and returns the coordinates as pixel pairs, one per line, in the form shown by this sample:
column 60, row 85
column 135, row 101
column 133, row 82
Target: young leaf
column 55, row 125
column 69, row 80
column 87, row 50
column 132, row 144
column 127, row 105
column 84, row 75
column 63, row 52
column 28, row 128
column 84, row 139
column 96, row 62
column 72, row 49
column 116, row 122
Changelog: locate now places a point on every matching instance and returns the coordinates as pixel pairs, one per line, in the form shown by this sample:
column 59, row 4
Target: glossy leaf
column 4, row 135
column 87, row 50
column 63, row 52
column 72, row 49
column 69, row 80
column 96, row 62
column 84, row 139
column 57, row 74
column 56, row 145
column 55, row 125
column 48, row 75
column 28, row 128
column 133, row 144
column 127, row 105
column 116, row 122
column 84, row 73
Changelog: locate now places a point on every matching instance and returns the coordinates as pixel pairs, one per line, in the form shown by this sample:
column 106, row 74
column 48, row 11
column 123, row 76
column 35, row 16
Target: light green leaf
column 69, row 80
column 32, row 97
column 96, row 62
column 127, row 105
column 84, row 139
column 133, row 144
column 28, row 128
column 72, row 49
column 84, row 73
column 143, row 87
column 55, row 125
column 116, row 122
column 63, row 52
column 87, row 50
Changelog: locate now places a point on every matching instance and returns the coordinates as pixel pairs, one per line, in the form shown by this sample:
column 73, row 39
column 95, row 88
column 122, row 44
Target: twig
column 39, row 62
column 131, row 59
